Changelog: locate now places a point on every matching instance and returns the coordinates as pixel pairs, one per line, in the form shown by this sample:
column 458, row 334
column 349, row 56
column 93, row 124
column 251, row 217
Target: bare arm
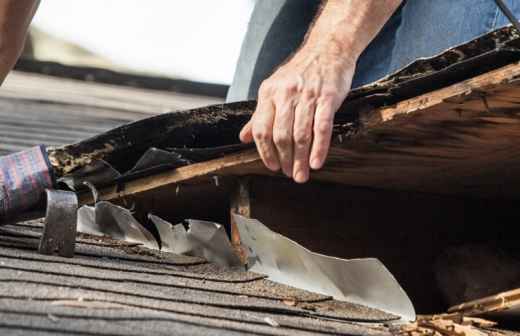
column 292, row 124
column 15, row 17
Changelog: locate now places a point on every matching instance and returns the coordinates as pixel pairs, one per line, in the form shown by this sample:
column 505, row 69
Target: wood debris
column 447, row 325
column 271, row 322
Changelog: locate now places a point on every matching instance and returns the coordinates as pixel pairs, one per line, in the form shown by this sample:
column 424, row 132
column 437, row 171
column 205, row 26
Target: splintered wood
column 504, row 305
column 447, row 325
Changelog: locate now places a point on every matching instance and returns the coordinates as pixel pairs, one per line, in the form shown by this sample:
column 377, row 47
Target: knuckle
column 286, row 91
column 309, row 93
column 265, row 88
column 323, row 127
column 262, row 134
column 302, row 138
column 329, row 93
column 282, row 138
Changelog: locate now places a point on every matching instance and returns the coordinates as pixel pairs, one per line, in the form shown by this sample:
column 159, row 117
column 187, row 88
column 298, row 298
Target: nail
column 274, row 166
column 315, row 164
column 300, row 177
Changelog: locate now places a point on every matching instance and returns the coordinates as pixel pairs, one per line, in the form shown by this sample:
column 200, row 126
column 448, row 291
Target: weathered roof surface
column 40, row 109
column 113, row 288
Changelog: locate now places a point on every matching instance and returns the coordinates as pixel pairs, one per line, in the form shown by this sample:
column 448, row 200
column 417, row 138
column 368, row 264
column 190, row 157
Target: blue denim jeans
column 419, row 28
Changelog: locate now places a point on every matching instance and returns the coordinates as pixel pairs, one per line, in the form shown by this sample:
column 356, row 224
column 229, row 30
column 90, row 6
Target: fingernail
column 315, row 164
column 300, row 177
column 274, row 167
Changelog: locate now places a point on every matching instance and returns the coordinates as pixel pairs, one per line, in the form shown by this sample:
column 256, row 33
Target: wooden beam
column 199, row 171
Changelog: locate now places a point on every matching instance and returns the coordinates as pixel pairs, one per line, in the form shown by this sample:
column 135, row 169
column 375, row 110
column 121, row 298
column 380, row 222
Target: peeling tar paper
column 363, row 281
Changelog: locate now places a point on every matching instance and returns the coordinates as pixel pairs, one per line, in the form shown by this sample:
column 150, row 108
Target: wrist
column 330, row 50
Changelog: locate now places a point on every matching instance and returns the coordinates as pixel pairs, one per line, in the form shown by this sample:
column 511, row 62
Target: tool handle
column 24, row 176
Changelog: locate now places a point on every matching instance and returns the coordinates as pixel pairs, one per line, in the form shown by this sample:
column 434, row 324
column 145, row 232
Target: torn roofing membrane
column 363, row 281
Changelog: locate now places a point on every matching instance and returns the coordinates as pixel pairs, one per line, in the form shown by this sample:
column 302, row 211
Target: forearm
column 15, row 17
column 346, row 27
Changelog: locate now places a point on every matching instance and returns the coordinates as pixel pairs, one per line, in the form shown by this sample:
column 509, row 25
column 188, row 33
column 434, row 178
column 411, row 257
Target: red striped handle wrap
column 23, row 178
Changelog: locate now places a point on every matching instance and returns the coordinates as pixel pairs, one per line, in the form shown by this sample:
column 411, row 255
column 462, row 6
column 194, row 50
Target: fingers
column 283, row 135
column 303, row 121
column 323, row 124
column 246, row 134
column 262, row 131
column 294, row 139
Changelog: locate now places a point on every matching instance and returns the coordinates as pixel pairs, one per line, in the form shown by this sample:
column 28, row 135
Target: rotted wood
column 240, row 204
column 462, row 139
column 503, row 306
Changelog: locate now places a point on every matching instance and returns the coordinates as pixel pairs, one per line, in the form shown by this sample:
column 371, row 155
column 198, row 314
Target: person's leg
column 420, row 28
column 430, row 27
column 376, row 60
column 276, row 29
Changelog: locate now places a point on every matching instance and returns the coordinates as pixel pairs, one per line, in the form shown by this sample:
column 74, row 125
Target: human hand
column 293, row 121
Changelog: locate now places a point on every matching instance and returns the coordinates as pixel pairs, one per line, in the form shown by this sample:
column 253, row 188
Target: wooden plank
column 483, row 85
column 199, row 171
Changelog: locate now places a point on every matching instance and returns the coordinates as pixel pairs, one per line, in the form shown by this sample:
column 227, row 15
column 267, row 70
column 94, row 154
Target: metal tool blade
column 59, row 232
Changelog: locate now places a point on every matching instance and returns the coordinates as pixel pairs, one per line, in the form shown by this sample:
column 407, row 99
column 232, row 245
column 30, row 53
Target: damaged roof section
column 361, row 281
column 140, row 279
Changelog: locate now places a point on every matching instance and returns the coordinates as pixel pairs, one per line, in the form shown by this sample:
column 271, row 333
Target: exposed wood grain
column 480, row 85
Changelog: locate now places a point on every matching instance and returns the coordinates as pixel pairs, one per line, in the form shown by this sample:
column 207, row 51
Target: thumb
column 246, row 134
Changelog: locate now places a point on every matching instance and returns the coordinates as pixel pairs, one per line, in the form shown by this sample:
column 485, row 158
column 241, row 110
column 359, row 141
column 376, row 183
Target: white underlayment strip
column 363, row 281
